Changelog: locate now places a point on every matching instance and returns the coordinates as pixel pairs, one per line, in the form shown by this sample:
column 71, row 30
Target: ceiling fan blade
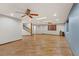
column 30, row 16
column 23, row 15
column 19, row 12
column 34, row 14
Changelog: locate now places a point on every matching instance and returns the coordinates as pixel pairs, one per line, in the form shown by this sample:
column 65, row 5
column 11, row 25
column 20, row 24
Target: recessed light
column 55, row 14
column 12, row 14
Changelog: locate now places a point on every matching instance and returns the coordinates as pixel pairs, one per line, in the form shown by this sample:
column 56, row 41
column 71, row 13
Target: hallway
column 37, row 45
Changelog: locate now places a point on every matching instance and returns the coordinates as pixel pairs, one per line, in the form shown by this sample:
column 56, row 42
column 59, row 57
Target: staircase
column 27, row 28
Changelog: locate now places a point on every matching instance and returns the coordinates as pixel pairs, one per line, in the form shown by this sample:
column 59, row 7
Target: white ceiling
column 43, row 9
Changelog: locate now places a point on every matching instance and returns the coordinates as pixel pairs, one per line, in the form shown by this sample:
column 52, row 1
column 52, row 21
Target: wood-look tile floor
column 37, row 45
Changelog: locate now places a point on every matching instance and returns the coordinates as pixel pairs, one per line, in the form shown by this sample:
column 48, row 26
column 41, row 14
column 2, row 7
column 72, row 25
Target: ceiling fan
column 27, row 13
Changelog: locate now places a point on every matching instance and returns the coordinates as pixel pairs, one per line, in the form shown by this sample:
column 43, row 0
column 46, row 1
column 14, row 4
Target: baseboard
column 10, row 42
column 41, row 34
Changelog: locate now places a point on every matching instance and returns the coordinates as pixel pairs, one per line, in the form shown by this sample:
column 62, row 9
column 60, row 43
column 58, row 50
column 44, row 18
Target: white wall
column 44, row 29
column 10, row 29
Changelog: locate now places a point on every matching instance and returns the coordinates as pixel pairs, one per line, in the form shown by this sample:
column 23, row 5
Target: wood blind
column 52, row 27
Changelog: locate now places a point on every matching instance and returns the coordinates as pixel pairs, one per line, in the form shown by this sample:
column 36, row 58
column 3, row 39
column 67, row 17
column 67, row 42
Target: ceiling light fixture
column 57, row 20
column 41, row 18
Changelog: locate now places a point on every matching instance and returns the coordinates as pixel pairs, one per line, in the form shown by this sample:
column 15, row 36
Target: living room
column 33, row 29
